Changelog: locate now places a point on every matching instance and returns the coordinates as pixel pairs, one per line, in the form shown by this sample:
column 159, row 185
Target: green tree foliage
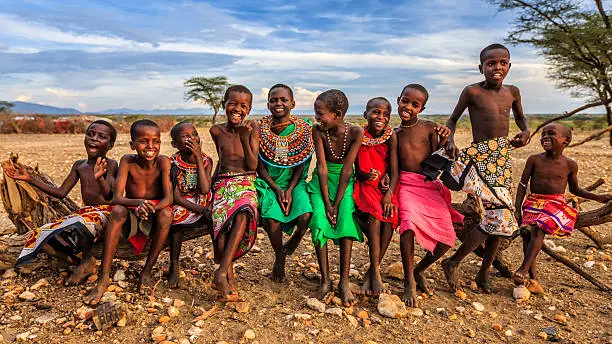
column 575, row 38
column 5, row 106
column 208, row 91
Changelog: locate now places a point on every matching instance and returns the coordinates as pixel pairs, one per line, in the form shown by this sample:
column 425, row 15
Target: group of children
column 368, row 180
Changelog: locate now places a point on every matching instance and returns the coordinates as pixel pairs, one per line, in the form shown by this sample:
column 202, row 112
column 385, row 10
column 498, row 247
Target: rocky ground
column 35, row 307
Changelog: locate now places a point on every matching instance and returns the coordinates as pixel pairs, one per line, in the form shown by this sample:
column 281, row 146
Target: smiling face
column 237, row 107
column 97, row 140
column 378, row 115
column 325, row 117
column 186, row 132
column 410, row 103
column 555, row 137
column 146, row 142
column 280, row 102
column 495, row 65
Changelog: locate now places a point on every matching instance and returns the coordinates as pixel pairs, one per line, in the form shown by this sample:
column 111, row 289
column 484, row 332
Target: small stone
column 122, row 322
column 471, row 333
column 353, row 273
column 194, row 331
column 298, row 337
column 265, row 272
column 41, row 283
column 27, row 296
column 122, row 284
column 249, row 334
column 391, row 306
column 560, row 249
column 22, row 337
column 301, row 316
column 543, row 335
column 362, row 314
column 508, row 333
column 108, row 297
column 173, row 312
column 336, row 301
column 163, row 319
column 158, row 334
column 92, row 279
column 352, row 320
column 84, row 313
column 460, row 309
column 474, row 286
column 334, row 311
column 453, row 317
column 538, row 317
column 461, row 294
column 183, row 341
column 256, row 249
column 560, row 318
column 178, row 303
column 315, row 305
column 16, row 318
column 417, row 312
column 521, row 293
column 243, row 307
column 478, row 306
column 10, row 273
column 119, row 276
column 497, row 327
column 396, row 270
column 67, row 330
column 44, row 319
column 589, row 264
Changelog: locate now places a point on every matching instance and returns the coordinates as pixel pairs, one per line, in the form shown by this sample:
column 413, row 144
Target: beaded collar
column 289, row 150
column 373, row 141
column 187, row 176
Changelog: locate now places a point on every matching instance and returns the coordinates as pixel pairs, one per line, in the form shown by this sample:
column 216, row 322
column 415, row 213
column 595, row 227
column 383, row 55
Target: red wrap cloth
column 551, row 213
column 368, row 197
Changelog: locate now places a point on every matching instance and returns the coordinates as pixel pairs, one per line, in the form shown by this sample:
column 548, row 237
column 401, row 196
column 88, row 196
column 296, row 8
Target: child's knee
column 119, row 212
column 165, row 216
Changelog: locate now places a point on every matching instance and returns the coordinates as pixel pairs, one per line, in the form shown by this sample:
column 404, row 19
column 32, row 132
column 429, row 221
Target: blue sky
column 95, row 55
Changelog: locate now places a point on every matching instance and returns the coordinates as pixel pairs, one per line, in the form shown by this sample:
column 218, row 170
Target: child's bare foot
column 366, row 287
column 325, row 286
column 520, row 278
column 377, row 286
column 450, row 272
column 145, row 285
column 482, row 281
column 278, row 270
column 421, row 282
column 346, row 295
column 220, row 283
column 231, row 280
column 410, row 295
column 292, row 244
column 173, row 276
column 84, row 270
column 94, row 297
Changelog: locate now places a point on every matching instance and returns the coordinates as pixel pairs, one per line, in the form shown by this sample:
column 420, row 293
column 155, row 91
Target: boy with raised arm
column 545, row 211
column 190, row 175
column 425, row 209
column 234, row 193
column 284, row 158
column 66, row 237
column 331, row 188
column 144, row 192
column 484, row 169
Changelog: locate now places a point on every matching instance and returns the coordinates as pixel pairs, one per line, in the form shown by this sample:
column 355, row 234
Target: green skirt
column 346, row 227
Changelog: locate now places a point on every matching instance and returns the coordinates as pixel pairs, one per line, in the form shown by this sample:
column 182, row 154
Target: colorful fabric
column 268, row 204
column 551, row 213
column 139, row 230
column 346, row 227
column 235, row 193
column 425, row 208
column 185, row 176
column 484, row 170
column 368, row 196
column 72, row 232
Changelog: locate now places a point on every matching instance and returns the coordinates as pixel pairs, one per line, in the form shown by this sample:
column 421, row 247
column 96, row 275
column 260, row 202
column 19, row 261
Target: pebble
column 22, row 337
column 497, row 327
column 336, row 301
column 471, row 333
column 16, row 318
column 353, row 273
column 589, row 264
column 249, row 334
column 84, row 313
column 173, row 312
column 44, row 319
column 27, row 296
column 92, row 278
column 123, row 284
column 395, row 270
column 298, row 337
column 67, row 330
column 334, row 311
column 10, row 273
column 521, row 293
column 163, row 319
column 256, row 249
column 538, row 317
column 243, row 307
column 478, row 306
column 41, row 283
column 508, row 333
column 183, row 341
column 561, row 318
column 158, row 334
column 543, row 335
column 391, row 306
column 461, row 294
column 560, row 249
column 119, row 275
column 352, row 320
column 363, row 314
column 315, row 305
column 194, row 331
column 417, row 312
column 460, row 309
column 108, row 297
column 178, row 303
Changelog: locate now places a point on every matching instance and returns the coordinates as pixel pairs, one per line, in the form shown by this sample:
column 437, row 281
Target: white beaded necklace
column 331, row 149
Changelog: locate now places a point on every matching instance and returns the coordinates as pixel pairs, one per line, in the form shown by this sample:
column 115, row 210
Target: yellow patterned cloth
column 484, row 170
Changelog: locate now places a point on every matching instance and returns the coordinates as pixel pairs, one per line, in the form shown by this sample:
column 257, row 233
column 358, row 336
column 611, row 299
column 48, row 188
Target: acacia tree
column 576, row 42
column 5, row 106
column 207, row 91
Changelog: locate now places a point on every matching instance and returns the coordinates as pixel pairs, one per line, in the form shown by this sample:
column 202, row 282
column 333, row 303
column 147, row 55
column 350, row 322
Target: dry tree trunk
column 592, row 137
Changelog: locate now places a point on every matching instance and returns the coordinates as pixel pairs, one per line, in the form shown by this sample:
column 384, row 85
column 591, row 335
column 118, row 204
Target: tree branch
column 604, row 16
column 592, row 137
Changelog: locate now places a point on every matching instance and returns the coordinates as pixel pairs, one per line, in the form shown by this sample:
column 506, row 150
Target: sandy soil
column 587, row 309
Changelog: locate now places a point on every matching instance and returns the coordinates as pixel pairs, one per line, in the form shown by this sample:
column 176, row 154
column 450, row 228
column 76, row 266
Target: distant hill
column 33, row 108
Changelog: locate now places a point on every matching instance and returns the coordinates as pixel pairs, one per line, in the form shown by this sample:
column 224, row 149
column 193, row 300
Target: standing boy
column 484, row 168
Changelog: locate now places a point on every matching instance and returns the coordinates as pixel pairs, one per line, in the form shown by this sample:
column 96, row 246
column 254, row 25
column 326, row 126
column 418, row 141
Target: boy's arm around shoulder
column 522, row 138
column 574, row 188
column 451, row 123
column 164, row 165
column 347, row 163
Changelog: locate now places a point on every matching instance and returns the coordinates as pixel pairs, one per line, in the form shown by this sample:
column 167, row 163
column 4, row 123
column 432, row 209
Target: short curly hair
column 237, row 89
column 335, row 100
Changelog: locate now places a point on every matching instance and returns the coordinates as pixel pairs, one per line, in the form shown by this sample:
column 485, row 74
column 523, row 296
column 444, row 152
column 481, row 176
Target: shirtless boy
column 331, row 188
column 545, row 211
column 190, row 175
column 143, row 184
column 425, row 209
column 486, row 164
column 76, row 233
column 375, row 183
column 284, row 159
column 234, row 193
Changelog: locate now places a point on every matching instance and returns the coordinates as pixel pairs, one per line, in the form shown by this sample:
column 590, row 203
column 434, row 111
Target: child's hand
column 145, row 208
column 282, row 199
column 18, row 172
column 385, row 182
column 387, row 205
column 604, row 198
column 332, row 215
column 444, row 132
column 373, row 174
column 451, row 149
column 100, row 168
column 245, row 128
column 520, row 139
column 288, row 200
column 518, row 215
column 195, row 147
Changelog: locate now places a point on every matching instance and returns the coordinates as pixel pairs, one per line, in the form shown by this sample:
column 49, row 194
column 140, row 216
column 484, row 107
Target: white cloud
column 253, row 29
column 23, row 97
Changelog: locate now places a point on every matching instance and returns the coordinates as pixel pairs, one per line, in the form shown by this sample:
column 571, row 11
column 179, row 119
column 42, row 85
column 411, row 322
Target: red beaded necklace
column 373, row 141
column 289, row 150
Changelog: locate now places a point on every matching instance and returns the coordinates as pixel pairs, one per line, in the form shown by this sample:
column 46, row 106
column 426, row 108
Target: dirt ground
column 273, row 307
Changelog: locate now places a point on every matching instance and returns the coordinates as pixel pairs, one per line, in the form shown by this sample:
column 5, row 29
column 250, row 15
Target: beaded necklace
column 331, row 149
column 187, row 176
column 410, row 125
column 373, row 141
column 289, row 150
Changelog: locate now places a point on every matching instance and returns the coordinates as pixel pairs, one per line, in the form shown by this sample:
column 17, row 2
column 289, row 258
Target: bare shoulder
column 429, row 124
column 514, row 90
column 356, row 132
column 573, row 165
column 215, row 130
column 316, row 128
column 472, row 89
column 128, row 159
column 79, row 163
column 163, row 160
column 255, row 124
column 111, row 162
